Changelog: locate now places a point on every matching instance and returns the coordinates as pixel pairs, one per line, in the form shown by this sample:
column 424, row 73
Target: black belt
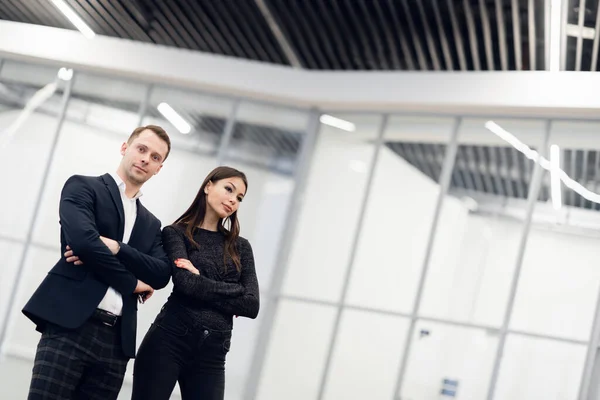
column 107, row 318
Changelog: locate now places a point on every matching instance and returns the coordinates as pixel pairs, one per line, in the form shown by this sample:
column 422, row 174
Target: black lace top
column 219, row 292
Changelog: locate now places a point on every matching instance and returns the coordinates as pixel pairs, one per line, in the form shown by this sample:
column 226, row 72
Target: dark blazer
column 91, row 207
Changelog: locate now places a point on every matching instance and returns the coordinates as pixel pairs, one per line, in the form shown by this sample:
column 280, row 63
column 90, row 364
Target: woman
column 213, row 280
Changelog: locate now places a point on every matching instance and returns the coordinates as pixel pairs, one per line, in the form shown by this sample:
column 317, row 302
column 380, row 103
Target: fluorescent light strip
column 174, row 118
column 555, row 177
column 534, row 155
column 555, row 28
column 337, row 123
column 74, row 18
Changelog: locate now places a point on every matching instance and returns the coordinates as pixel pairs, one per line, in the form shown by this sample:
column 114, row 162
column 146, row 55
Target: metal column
column 532, row 197
column 272, row 302
column 227, row 133
column 445, row 179
column 19, row 275
column 144, row 105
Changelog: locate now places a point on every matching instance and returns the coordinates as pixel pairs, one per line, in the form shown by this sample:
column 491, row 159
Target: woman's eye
column 228, row 189
column 240, row 199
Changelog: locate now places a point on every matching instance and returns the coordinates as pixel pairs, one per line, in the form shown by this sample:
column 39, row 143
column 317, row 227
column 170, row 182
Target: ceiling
column 343, row 34
column 502, row 172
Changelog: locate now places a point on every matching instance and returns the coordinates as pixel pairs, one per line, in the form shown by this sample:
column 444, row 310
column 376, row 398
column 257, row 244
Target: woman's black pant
column 177, row 350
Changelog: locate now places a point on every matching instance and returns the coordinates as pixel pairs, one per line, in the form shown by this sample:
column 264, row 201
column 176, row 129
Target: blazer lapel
column 113, row 189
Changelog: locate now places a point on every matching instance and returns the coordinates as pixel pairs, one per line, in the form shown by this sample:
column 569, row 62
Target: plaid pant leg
column 102, row 380
column 57, row 368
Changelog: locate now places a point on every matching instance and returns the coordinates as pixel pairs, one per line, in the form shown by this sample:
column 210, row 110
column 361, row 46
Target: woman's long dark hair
column 194, row 216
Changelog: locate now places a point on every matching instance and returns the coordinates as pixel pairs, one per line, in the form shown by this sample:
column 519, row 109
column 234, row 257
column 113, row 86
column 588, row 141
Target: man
column 86, row 306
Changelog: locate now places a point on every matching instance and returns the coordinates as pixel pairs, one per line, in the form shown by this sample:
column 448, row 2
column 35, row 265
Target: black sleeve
column 248, row 304
column 152, row 268
column 195, row 286
column 78, row 225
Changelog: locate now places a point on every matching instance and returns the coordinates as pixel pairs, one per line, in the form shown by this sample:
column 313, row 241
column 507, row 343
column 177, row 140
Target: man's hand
column 186, row 264
column 112, row 245
column 72, row 258
column 144, row 291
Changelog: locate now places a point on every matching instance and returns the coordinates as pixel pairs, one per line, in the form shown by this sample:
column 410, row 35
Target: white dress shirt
column 113, row 301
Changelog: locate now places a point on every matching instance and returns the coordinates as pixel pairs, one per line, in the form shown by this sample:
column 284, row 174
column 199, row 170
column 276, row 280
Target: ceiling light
column 555, row 188
column 337, row 123
column 74, row 18
column 65, row 74
column 174, row 118
column 534, row 156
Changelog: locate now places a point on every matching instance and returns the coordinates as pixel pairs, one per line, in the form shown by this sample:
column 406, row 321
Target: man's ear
column 124, row 148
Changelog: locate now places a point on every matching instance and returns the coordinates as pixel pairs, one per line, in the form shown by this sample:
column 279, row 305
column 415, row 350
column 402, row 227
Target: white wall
column 94, row 150
column 468, row 281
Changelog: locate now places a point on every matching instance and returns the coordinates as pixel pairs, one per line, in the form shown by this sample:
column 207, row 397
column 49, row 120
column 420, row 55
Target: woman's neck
column 210, row 222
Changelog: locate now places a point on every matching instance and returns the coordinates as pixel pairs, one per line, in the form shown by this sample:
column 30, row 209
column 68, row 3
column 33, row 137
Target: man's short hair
column 160, row 132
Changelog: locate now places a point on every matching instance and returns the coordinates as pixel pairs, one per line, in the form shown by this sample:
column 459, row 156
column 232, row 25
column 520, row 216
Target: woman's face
column 224, row 196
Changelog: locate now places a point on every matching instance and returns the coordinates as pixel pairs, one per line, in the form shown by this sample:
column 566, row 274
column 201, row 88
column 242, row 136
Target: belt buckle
column 113, row 319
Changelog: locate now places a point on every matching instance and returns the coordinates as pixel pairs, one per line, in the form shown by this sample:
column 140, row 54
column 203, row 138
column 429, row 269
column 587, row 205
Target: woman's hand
column 186, row 264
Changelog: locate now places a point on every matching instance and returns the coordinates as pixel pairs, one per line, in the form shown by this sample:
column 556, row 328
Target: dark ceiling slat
column 520, row 178
column 572, row 173
column 433, row 52
column 580, row 21
column 90, row 19
column 356, row 26
column 375, row 35
column 306, row 31
column 291, row 31
column 474, row 167
column 107, row 15
column 93, row 17
column 415, row 37
column 501, row 35
column 170, row 23
column 225, row 11
column 340, row 18
column 487, row 35
column 517, row 38
column 323, row 16
column 243, row 19
column 181, row 26
column 484, row 167
column 457, row 36
column 120, row 20
column 211, row 33
column 395, row 61
column 408, row 56
column 216, row 16
column 503, row 170
column 462, row 163
column 442, row 35
column 54, row 14
column 132, row 23
column 159, row 35
column 472, row 35
column 12, row 13
column 494, row 169
column 264, row 34
column 585, row 175
column 28, row 15
column 594, row 64
column 532, row 35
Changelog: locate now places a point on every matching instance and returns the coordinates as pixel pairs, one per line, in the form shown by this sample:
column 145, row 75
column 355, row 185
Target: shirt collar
column 121, row 185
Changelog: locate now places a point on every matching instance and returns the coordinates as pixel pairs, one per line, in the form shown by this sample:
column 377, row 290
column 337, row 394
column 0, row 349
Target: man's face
column 143, row 157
